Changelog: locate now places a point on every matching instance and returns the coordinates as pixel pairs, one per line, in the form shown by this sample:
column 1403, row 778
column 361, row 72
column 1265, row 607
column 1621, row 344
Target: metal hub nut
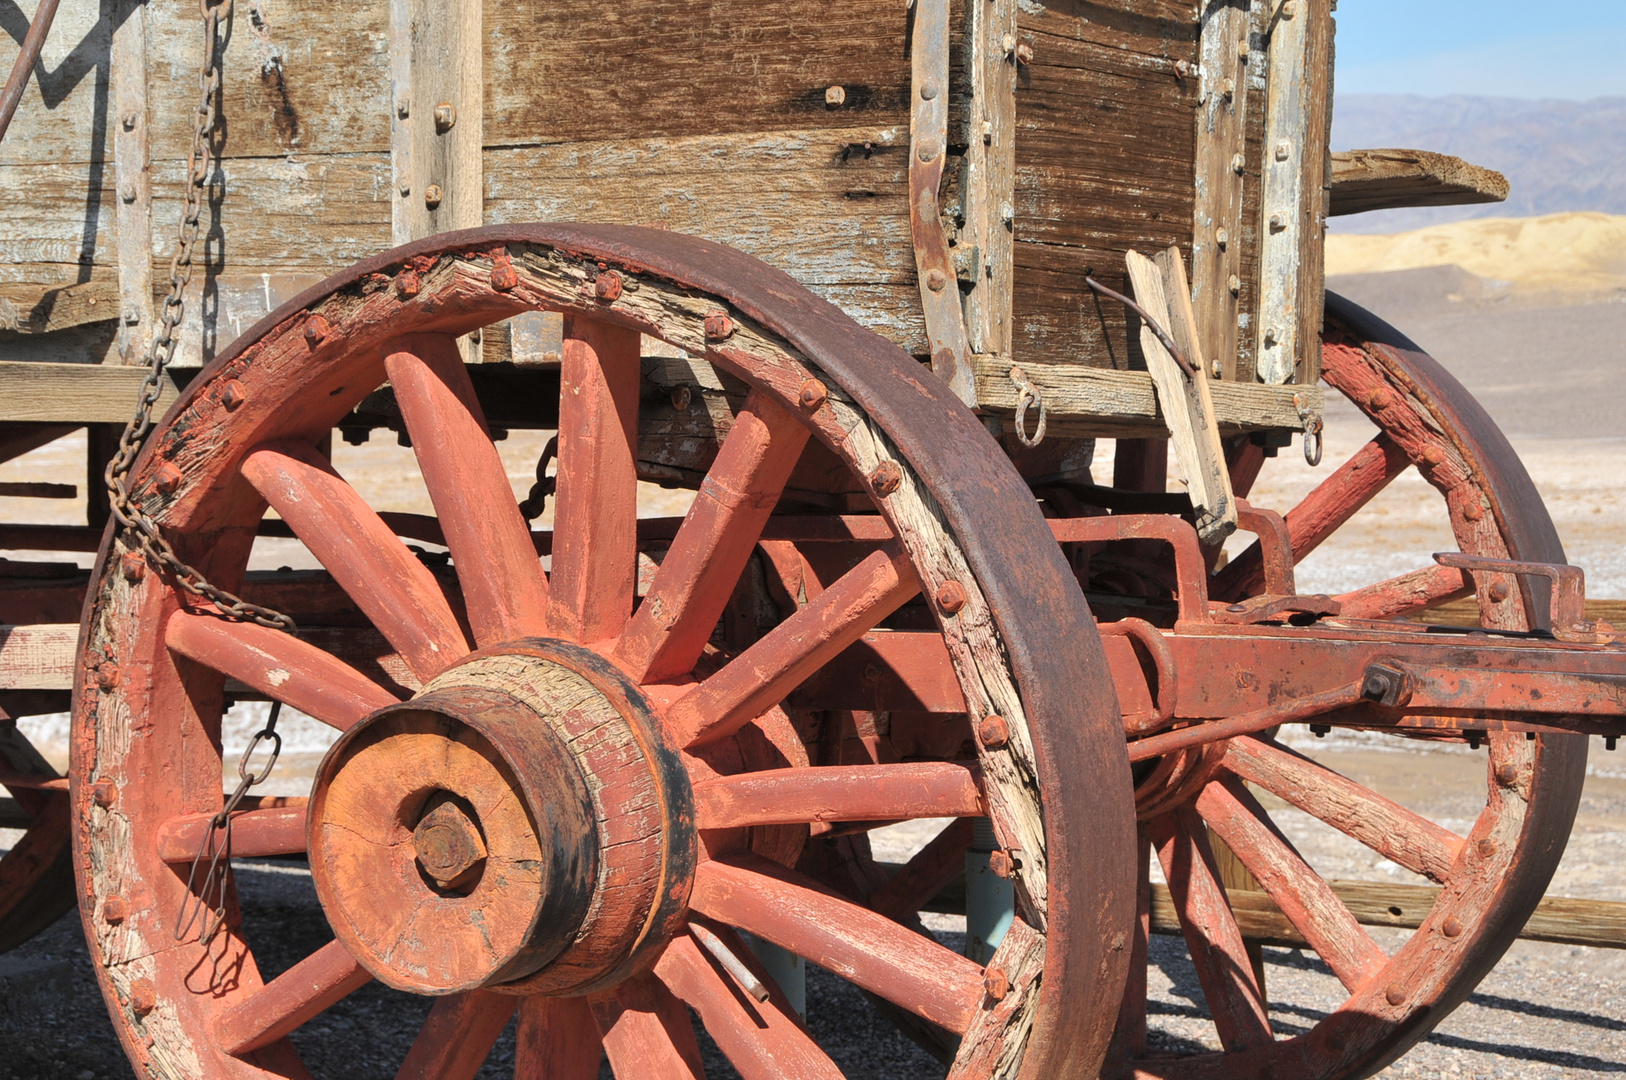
column 449, row 846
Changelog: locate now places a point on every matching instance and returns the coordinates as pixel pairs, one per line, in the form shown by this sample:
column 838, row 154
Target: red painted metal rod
column 323, row 978
column 278, row 665
column 33, row 42
column 839, row 793
column 765, row 673
column 794, row 912
column 254, row 834
column 11, row 778
column 1406, row 838
column 1298, row 709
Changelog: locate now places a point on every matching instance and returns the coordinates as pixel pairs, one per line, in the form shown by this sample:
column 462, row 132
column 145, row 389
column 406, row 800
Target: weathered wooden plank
column 1104, row 145
column 132, row 172
column 1217, row 241
column 1364, row 180
column 436, row 115
column 984, row 246
column 55, row 120
column 44, row 310
column 1293, row 193
column 72, row 393
column 1086, row 402
column 575, row 71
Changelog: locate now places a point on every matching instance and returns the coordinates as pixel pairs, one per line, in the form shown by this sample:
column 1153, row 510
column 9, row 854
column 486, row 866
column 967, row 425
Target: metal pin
column 731, row 963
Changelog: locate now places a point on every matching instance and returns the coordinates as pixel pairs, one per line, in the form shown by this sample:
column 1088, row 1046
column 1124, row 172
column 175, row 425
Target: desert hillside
column 1571, row 255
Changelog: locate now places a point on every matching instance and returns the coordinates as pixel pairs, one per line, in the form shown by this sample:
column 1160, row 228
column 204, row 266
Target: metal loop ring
column 276, row 751
column 1027, row 394
column 1312, row 431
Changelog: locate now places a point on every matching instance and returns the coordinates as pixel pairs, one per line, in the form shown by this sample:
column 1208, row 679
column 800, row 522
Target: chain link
column 161, row 351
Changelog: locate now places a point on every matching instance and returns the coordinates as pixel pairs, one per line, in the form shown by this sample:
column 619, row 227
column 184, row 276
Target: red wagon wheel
column 585, row 798
column 1492, row 877
column 36, row 873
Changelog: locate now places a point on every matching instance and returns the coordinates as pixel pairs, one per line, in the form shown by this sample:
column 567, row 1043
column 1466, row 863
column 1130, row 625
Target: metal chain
column 162, row 349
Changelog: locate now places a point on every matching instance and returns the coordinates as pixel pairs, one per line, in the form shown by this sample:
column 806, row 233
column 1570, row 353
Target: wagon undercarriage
column 601, row 769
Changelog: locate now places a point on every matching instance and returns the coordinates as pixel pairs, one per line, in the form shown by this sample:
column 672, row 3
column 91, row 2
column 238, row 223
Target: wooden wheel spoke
column 647, row 1032
column 839, row 793
column 762, row 1040
column 454, row 1041
column 1308, row 901
column 491, row 547
column 1212, row 936
column 766, row 672
column 558, row 1039
column 321, row 979
column 1386, row 827
column 276, row 830
column 869, row 950
column 710, row 551
column 1405, row 594
column 279, row 665
column 926, row 873
column 396, row 591
column 1321, row 513
column 595, row 551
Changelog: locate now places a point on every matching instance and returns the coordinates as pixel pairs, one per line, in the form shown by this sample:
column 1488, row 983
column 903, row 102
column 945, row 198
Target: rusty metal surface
column 17, row 82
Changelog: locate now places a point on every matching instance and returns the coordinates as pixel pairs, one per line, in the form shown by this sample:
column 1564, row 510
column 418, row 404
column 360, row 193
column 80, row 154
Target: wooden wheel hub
column 482, row 833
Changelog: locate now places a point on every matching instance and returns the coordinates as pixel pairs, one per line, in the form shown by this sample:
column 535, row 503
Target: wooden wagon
column 869, row 280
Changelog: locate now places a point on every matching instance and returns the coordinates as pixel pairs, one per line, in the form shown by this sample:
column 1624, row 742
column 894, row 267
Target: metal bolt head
column 132, row 316
column 929, row 90
column 1008, row 43
column 1229, row 88
column 681, row 396
column 1222, row 237
column 1395, row 994
column 127, row 192
column 1272, row 335
column 1498, row 592
column 1007, row 214
column 1000, row 864
column 406, row 189
column 104, row 793
column 994, row 732
column 1182, row 68
column 133, row 566
column 408, row 284
column 448, row 845
column 1486, row 848
column 885, row 478
column 1507, row 774
column 607, row 286
column 503, row 276
column 166, row 478
column 996, row 983
column 811, row 395
column 1234, row 284
column 1379, row 399
column 928, row 149
column 1239, row 163
column 1024, row 54
column 115, row 910
column 316, row 331
column 718, row 326
column 936, row 280
column 403, row 108
column 1473, row 511
column 445, row 117
column 107, row 675
column 950, row 597
column 835, row 96
column 143, row 996
column 1433, row 455
column 233, row 394
column 1278, row 222
column 1282, row 151
column 1242, row 49
column 432, row 196
column 130, row 120
column 1451, row 927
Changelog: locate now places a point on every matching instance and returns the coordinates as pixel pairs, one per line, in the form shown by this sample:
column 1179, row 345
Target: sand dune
column 1574, row 254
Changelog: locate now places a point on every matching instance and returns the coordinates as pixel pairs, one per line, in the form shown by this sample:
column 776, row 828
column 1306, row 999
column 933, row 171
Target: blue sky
column 1572, row 49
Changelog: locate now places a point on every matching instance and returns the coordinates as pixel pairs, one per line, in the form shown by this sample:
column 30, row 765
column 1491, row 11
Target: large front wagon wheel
column 566, row 816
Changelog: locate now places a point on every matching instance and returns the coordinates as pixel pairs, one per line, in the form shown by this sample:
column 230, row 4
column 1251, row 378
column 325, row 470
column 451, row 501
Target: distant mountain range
column 1557, row 155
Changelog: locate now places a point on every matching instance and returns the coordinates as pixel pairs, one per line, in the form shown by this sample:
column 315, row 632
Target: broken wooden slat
column 1364, row 180
column 1187, row 407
